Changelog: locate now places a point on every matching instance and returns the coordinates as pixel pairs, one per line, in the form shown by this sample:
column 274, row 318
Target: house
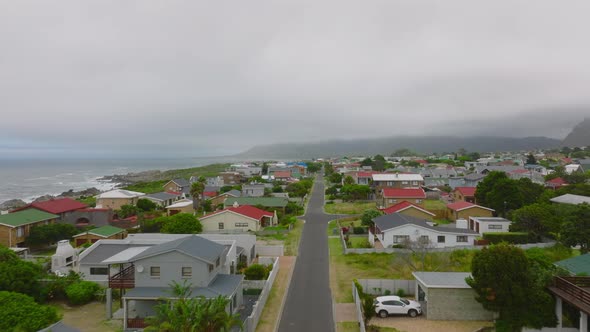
column 181, row 206
column 576, row 266
column 283, row 176
column 253, row 190
column 63, row 207
column 489, row 224
column 15, row 227
column 499, row 168
column 396, row 180
column 473, row 179
column 573, row 168
column 555, row 183
column 571, row 292
column 230, row 178
column 215, row 181
column 464, row 210
column 571, row 199
column 147, row 273
column 269, row 203
column 100, row 233
column 392, row 196
column 114, row 199
column 410, row 209
column 241, row 219
column 464, row 194
column 163, row 199
column 219, row 199
column 179, row 185
column 398, row 229
column 446, row 296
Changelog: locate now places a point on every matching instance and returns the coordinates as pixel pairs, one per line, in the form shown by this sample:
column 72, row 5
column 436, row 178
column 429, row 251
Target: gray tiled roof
column 223, row 284
column 234, row 193
column 182, row 182
column 162, row 196
column 194, row 246
column 443, row 279
column 393, row 220
column 226, row 284
column 104, row 251
column 474, row 176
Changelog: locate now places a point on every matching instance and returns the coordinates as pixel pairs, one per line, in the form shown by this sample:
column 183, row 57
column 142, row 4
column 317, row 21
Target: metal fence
column 252, row 321
column 358, row 306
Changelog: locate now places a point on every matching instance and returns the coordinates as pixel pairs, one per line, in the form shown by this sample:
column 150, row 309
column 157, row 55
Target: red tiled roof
column 366, row 174
column 282, row 174
column 404, row 192
column 466, row 191
column 567, row 160
column 458, row 206
column 402, row 206
column 520, row 171
column 210, row 193
column 421, row 161
column 557, row 181
column 174, row 193
column 245, row 210
column 59, row 205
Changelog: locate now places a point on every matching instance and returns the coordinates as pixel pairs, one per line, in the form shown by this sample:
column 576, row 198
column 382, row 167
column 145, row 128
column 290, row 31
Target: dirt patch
column 344, row 312
column 90, row 317
column 421, row 324
column 274, row 304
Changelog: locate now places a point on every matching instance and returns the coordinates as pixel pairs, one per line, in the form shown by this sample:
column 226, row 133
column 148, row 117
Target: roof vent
column 236, row 204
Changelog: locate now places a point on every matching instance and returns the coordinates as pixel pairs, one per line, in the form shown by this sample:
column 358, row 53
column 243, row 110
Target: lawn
column 349, row 207
column 90, row 201
column 292, row 239
column 147, row 187
column 344, row 222
column 354, row 327
column 359, row 242
column 434, row 204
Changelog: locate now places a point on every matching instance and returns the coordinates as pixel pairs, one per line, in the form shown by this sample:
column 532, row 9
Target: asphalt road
column 308, row 307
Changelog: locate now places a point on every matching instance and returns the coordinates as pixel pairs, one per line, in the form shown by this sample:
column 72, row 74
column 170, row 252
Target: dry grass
column 348, row 207
column 434, row 204
column 89, row 317
column 292, row 239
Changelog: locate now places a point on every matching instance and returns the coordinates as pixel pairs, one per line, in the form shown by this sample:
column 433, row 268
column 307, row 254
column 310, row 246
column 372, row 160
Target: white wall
column 484, row 227
column 211, row 224
column 415, row 232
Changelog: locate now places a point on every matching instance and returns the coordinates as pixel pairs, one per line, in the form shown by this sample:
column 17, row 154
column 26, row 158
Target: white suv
column 388, row 305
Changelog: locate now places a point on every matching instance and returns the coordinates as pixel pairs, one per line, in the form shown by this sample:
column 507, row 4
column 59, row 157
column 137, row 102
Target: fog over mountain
column 112, row 79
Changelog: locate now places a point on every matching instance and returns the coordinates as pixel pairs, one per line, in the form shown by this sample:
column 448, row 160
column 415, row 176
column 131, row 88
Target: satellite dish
column 139, row 268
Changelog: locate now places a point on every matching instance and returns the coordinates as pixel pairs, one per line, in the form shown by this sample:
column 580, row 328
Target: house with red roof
column 555, row 183
column 73, row 212
column 464, row 210
column 409, row 209
column 234, row 219
column 464, row 194
column 392, row 196
column 282, row 176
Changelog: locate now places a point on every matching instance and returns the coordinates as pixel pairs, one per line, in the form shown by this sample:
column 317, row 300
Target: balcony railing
column 576, row 287
column 123, row 279
column 136, row 323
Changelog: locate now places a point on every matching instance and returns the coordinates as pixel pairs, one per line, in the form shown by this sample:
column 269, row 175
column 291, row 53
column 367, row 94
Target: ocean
column 29, row 179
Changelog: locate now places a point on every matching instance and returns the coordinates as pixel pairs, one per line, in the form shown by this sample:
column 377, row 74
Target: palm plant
column 196, row 191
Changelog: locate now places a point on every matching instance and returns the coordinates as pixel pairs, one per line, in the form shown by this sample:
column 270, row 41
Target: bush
column 82, row 292
column 252, row 291
column 387, row 292
column 359, row 230
column 330, row 202
column 364, row 244
column 400, row 292
column 509, row 237
column 257, row 272
column 21, row 313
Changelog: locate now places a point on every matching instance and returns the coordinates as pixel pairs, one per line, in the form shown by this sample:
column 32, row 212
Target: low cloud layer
column 211, row 78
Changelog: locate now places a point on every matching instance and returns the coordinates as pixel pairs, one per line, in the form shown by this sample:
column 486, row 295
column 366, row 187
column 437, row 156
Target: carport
column 446, row 296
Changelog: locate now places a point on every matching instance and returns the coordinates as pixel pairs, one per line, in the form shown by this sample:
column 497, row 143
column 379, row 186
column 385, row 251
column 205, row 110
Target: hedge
column 82, row 292
column 509, row 237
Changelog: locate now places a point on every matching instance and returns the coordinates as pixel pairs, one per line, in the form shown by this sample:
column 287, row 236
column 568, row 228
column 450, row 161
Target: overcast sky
column 196, row 78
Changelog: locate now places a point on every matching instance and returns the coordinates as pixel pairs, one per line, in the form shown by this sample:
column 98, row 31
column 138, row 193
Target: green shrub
column 257, row 272
column 400, row 292
column 359, row 230
column 509, row 237
column 330, row 202
column 82, row 292
column 387, row 292
column 364, row 244
column 252, row 291
column 20, row 312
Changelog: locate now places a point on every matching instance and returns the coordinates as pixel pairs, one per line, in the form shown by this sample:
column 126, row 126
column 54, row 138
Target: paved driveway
column 308, row 306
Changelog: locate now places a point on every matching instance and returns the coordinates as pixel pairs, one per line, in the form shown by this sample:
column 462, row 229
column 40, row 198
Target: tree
column 530, row 192
column 348, row 180
column 296, row 189
column 21, row 313
column 19, row 276
column 530, row 159
column 504, row 283
column 535, row 219
column 51, row 233
column 196, row 192
column 379, row 163
column 367, row 302
column 353, row 192
column 335, row 178
column 576, row 229
column 181, row 223
column 264, row 168
column 486, row 185
column 367, row 162
column 187, row 314
column 369, row 215
column 145, row 205
column 127, row 211
column 504, row 196
column 257, row 272
column 313, row 167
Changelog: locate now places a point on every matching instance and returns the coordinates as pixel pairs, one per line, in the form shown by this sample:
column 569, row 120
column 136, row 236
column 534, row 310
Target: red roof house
column 465, row 194
column 391, row 196
column 282, row 175
column 244, row 217
column 57, row 206
column 556, row 183
column 410, row 209
column 464, row 210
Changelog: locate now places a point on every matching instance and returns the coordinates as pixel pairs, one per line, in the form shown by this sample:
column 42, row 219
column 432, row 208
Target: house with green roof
column 100, row 233
column 577, row 266
column 267, row 203
column 15, row 227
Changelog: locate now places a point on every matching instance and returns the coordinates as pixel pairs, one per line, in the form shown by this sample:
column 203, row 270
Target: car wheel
column 412, row 313
column 383, row 314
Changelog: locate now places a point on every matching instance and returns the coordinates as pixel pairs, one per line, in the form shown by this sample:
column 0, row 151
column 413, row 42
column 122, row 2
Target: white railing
column 272, row 251
column 358, row 305
column 252, row 321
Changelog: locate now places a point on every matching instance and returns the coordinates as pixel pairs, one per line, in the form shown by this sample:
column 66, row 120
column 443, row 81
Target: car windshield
column 406, row 302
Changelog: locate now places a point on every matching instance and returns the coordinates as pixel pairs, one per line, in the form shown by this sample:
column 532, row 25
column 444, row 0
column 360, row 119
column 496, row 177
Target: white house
column 489, row 224
column 397, row 229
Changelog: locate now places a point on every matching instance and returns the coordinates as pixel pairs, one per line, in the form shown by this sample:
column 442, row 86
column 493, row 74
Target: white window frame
column 461, row 237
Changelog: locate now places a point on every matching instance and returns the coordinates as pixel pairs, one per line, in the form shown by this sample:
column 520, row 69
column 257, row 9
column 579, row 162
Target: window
column 221, row 226
column 155, row 271
column 241, row 224
column 404, row 182
column 99, row 271
column 19, row 231
column 187, row 271
column 392, row 200
column 418, row 201
column 441, row 239
column 494, row 226
column 462, row 238
column 400, row 238
column 415, row 183
column 217, row 261
column 210, row 267
column 423, row 239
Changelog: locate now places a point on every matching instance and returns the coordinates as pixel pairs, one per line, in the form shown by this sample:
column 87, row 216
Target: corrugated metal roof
column 194, row 246
column 576, row 265
column 25, row 217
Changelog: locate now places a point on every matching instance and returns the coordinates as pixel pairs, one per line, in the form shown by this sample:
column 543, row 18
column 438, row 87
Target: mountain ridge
column 579, row 136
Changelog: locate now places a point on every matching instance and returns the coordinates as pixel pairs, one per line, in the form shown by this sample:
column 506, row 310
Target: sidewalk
column 274, row 305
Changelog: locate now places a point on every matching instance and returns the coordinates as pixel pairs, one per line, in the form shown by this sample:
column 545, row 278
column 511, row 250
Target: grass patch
column 90, row 201
column 292, row 239
column 442, row 221
column 359, row 242
column 276, row 228
column 267, row 237
column 147, row 187
column 354, row 327
column 434, row 204
column 270, row 313
column 349, row 207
